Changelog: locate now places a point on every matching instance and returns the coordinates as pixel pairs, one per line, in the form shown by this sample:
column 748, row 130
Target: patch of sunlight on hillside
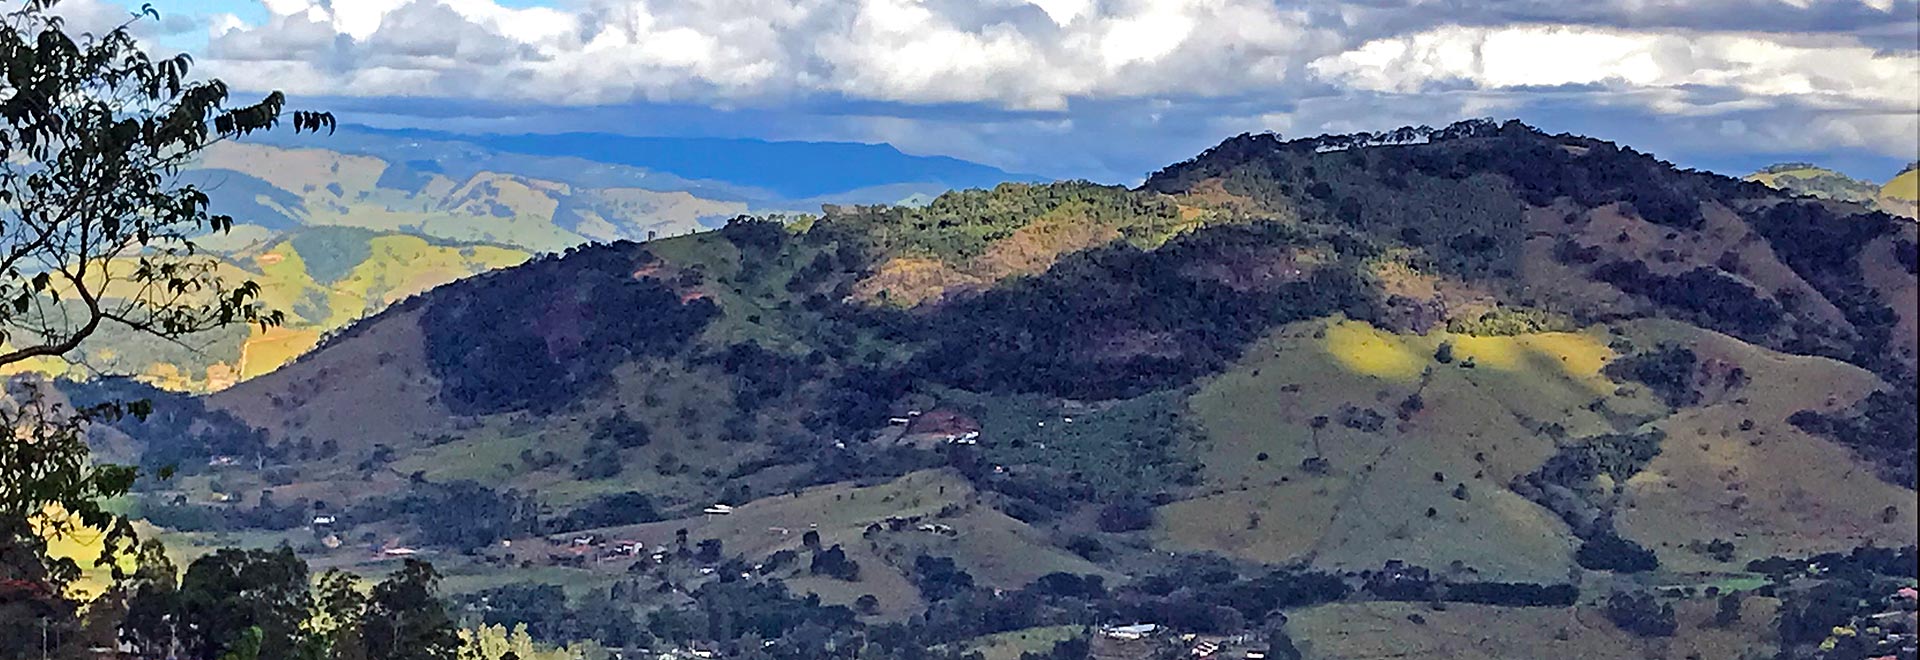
column 1502, row 353
column 1577, row 356
column 1582, row 354
column 1905, row 186
column 51, row 366
column 1364, row 349
column 273, row 348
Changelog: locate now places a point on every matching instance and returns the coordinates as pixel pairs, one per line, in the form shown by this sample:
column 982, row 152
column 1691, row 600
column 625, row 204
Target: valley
column 1470, row 392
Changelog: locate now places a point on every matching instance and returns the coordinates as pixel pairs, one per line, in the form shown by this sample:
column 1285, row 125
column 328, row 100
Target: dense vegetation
column 541, row 334
column 960, row 225
column 181, row 434
column 1824, row 247
column 1118, row 321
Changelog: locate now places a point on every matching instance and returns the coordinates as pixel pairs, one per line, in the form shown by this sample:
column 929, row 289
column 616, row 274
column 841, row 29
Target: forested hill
column 1521, row 369
column 1625, row 219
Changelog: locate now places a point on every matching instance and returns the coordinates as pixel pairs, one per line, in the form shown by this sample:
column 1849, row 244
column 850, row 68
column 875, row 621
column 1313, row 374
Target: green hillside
column 323, row 278
column 1338, row 394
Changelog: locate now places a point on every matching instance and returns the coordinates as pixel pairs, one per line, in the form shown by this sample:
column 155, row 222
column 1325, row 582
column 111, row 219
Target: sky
column 1106, row 90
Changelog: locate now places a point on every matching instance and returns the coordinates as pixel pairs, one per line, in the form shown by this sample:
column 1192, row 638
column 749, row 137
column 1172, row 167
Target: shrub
column 1608, row 551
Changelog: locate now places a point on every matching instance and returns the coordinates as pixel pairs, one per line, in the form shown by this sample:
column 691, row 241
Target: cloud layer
column 994, row 79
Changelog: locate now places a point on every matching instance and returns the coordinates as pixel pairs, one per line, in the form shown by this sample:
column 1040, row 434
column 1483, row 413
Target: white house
column 1129, row 633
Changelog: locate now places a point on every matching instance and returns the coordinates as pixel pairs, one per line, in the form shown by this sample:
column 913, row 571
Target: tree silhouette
column 95, row 230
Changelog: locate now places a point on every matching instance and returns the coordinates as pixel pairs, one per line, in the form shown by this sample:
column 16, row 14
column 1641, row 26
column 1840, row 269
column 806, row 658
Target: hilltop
column 1899, row 195
column 1337, row 375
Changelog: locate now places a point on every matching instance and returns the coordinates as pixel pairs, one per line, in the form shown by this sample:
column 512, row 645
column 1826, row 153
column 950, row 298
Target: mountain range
column 1473, row 392
column 338, row 231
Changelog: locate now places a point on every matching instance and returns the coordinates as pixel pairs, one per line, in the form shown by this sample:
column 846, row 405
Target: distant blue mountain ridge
column 739, row 168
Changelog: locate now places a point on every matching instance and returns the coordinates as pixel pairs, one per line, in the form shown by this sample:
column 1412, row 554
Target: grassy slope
column 1772, row 489
column 1901, row 195
column 998, row 551
column 1371, row 506
column 1363, row 631
column 1011, row 645
column 1795, row 494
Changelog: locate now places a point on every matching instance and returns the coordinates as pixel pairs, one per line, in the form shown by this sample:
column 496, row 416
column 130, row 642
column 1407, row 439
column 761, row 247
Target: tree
column 229, row 595
column 1641, row 614
column 333, row 632
column 1126, row 515
column 153, row 599
column 405, row 619
column 1727, row 611
column 96, row 231
column 1607, row 551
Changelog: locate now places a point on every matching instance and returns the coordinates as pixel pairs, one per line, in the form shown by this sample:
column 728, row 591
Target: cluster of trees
column 1703, row 295
column 1834, row 589
column 547, row 615
column 959, row 225
column 179, row 432
column 1641, row 613
column 1884, row 428
column 1508, row 320
column 258, row 604
column 1823, row 247
column 539, row 335
column 1218, row 160
column 461, row 514
column 738, row 615
column 1209, row 594
column 610, row 435
column 1124, row 458
column 1668, row 370
column 938, row 578
column 627, row 508
column 177, row 514
column 1116, row 321
column 1405, row 582
column 833, row 562
column 1565, row 484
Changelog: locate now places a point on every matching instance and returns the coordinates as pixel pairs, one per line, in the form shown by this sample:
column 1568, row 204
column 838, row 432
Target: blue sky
column 1100, row 89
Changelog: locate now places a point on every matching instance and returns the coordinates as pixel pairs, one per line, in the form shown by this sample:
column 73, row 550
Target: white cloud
column 906, row 51
column 1757, row 67
column 1133, row 82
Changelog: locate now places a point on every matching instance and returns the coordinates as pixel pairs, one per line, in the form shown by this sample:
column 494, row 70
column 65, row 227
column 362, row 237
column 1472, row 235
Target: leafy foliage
column 1508, row 321
column 460, row 514
column 1611, row 552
